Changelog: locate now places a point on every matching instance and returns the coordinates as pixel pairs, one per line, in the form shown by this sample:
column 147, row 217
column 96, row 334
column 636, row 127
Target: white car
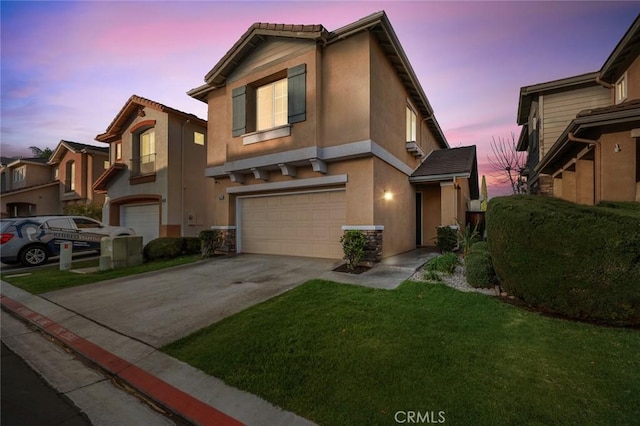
column 32, row 240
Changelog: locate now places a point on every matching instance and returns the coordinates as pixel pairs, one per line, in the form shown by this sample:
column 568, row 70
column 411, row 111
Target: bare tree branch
column 508, row 163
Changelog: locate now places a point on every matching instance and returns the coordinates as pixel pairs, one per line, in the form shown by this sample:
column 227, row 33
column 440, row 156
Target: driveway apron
column 161, row 307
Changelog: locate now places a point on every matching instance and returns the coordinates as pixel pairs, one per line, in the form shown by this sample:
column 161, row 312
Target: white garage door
column 142, row 218
column 306, row 224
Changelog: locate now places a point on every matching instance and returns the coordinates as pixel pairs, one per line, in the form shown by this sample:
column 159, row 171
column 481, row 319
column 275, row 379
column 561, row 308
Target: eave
column 101, row 184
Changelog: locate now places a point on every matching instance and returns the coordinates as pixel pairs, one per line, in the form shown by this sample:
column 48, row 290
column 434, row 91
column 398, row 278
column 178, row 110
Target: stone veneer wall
column 373, row 247
column 227, row 240
column 545, row 186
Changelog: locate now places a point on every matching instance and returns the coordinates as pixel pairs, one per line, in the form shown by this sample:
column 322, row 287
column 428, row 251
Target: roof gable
column 133, row 106
column 623, row 55
column 377, row 23
column 446, row 164
column 75, row 147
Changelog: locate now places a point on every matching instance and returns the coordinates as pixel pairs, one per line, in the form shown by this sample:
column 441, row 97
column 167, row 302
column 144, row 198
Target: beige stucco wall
column 633, row 82
column 44, row 198
column 569, row 186
column 431, row 213
column 35, row 174
column 448, row 210
column 585, row 190
column 346, row 98
column 557, row 187
column 617, row 173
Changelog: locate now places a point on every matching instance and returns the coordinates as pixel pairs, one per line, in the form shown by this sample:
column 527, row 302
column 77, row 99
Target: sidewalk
column 183, row 390
column 171, row 384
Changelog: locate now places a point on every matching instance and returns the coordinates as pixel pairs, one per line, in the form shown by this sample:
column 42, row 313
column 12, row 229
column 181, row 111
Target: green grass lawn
column 347, row 355
column 42, row 280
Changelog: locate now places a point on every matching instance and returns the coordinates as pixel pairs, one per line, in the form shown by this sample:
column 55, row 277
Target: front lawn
column 42, row 280
column 341, row 354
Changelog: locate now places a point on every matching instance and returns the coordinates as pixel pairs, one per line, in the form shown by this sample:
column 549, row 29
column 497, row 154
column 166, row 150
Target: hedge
column 170, row 247
column 579, row 261
column 479, row 267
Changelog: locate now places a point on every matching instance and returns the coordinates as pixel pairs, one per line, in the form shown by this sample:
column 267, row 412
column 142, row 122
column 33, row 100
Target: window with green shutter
column 271, row 102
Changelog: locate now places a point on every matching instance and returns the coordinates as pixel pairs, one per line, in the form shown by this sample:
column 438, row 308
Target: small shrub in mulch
column 357, row 270
column 170, row 247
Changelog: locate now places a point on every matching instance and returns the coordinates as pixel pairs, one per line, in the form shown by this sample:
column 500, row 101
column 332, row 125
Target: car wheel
column 34, row 255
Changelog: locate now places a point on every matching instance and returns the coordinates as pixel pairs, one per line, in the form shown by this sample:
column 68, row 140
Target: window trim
column 411, row 127
column 19, row 174
column 622, row 82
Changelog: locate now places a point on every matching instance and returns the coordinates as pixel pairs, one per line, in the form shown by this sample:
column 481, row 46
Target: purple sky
column 68, row 67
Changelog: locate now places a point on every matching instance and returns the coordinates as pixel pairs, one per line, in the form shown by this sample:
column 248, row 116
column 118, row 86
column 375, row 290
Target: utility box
column 120, row 252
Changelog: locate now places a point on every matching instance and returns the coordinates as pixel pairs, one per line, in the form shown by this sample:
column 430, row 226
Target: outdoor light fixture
column 617, row 148
column 388, row 195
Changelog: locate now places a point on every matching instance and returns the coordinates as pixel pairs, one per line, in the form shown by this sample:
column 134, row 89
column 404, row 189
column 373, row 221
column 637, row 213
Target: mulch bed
column 345, row 269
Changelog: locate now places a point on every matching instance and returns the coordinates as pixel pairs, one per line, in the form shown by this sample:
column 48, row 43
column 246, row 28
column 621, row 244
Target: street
column 28, row 400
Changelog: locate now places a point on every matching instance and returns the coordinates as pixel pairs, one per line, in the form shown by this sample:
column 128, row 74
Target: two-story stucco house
column 582, row 133
column 44, row 186
column 156, row 182
column 29, row 188
column 314, row 132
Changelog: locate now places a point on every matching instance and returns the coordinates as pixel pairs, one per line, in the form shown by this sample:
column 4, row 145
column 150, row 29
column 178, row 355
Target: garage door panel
column 144, row 219
column 299, row 224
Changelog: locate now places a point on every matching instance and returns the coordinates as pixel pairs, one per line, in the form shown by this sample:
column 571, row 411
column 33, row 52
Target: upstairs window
column 19, row 174
column 270, row 103
column 621, row 89
column 411, row 125
column 70, row 176
column 147, row 147
column 198, row 138
column 118, row 151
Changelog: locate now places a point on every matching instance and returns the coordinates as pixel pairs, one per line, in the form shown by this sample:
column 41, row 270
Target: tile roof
column 446, row 162
column 132, row 105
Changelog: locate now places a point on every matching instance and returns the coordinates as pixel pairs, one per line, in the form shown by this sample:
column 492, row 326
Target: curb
column 160, row 392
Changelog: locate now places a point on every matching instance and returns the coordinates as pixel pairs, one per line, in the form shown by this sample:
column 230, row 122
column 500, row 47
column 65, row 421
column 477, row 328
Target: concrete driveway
column 161, row 307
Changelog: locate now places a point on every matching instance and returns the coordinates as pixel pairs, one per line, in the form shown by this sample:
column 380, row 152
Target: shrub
column 93, row 211
column 479, row 269
column 353, row 243
column 582, row 262
column 170, row 247
column 446, row 238
column 468, row 237
column 480, row 246
column 210, row 241
column 445, row 263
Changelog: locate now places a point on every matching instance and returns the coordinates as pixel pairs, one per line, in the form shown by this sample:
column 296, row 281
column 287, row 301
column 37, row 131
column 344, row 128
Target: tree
column 41, row 153
column 484, row 195
column 508, row 162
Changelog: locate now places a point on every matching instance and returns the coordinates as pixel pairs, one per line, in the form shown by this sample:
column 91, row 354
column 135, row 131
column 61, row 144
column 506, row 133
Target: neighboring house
column 582, row 134
column 312, row 133
column 156, row 182
column 76, row 166
column 29, row 188
column 44, row 186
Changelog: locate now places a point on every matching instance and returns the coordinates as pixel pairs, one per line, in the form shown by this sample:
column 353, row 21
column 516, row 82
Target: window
column 198, row 138
column 411, row 125
column 147, row 147
column 19, row 174
column 621, row 89
column 56, row 173
column 264, row 105
column 70, row 178
column 118, row 151
column 83, row 223
column 271, row 105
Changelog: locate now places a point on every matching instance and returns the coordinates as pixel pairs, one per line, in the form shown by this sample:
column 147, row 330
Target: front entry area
column 297, row 224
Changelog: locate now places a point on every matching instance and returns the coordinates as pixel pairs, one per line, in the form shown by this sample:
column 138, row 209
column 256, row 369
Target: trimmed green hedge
column 478, row 266
column 170, row 247
column 579, row 261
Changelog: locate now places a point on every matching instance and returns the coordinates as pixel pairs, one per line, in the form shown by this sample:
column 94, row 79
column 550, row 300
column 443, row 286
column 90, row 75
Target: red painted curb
column 163, row 393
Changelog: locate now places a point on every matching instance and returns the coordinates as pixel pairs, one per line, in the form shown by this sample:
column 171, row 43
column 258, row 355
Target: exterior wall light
column 617, row 148
column 388, row 195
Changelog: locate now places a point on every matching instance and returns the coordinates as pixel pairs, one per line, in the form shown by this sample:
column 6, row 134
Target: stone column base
column 373, row 247
column 226, row 243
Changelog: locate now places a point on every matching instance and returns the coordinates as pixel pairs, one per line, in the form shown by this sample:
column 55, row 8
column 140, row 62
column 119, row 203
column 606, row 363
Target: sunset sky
column 68, row 67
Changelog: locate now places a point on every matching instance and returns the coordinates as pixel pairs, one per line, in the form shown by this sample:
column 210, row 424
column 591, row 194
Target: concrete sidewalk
column 98, row 323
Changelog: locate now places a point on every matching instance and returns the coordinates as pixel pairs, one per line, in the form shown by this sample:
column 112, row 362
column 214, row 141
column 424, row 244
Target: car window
column 83, row 222
column 60, row 222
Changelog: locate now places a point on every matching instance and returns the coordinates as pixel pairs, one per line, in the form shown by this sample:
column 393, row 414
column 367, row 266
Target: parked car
column 32, row 240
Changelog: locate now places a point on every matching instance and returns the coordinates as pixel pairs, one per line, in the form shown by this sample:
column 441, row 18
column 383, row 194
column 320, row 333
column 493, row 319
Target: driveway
column 161, row 307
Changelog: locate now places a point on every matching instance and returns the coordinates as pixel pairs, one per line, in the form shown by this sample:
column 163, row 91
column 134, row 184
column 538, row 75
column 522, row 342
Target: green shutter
column 297, row 93
column 239, row 97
